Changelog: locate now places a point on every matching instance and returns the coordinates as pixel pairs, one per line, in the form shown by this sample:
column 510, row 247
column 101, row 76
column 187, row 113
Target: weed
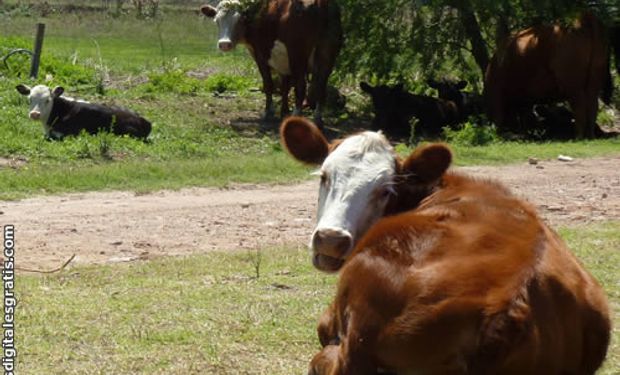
column 472, row 134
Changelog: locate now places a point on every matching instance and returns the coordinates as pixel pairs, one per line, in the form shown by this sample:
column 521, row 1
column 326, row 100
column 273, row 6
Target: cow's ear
column 366, row 87
column 208, row 11
column 303, row 140
column 428, row 163
column 399, row 87
column 432, row 83
column 461, row 84
column 58, row 90
column 23, row 89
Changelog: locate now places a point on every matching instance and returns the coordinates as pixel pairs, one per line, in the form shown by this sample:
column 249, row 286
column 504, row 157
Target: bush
column 171, row 81
column 225, row 82
column 472, row 135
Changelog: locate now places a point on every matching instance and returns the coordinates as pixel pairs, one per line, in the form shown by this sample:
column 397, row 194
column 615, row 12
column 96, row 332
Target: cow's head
column 391, row 113
column 361, row 179
column 448, row 89
column 228, row 17
column 41, row 100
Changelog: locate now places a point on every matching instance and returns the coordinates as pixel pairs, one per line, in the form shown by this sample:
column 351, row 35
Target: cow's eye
column 384, row 193
column 324, row 178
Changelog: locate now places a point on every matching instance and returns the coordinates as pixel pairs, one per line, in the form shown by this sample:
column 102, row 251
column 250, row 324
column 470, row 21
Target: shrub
column 225, row 82
column 172, row 81
column 472, row 135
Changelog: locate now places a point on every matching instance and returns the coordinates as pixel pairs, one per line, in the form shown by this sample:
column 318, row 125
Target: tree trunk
column 472, row 29
column 502, row 31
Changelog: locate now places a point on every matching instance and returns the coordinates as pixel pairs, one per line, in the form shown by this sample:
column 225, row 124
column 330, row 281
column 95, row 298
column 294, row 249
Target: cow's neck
column 59, row 109
column 409, row 194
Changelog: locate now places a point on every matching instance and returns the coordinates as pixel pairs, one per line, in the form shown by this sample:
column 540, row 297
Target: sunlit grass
column 212, row 314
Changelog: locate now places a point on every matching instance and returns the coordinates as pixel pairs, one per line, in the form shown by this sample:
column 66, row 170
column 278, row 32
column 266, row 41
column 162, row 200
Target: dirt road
column 113, row 227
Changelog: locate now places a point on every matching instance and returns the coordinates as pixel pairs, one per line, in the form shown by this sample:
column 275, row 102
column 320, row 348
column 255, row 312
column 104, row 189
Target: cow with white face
column 362, row 180
column 61, row 115
column 289, row 37
column 41, row 100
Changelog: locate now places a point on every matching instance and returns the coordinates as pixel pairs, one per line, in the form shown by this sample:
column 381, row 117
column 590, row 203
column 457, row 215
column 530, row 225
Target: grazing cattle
column 550, row 63
column 62, row 116
column 462, row 277
column 291, row 37
column 394, row 107
column 467, row 103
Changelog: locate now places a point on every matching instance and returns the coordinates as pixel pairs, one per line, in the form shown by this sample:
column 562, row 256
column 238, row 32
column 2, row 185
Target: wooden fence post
column 38, row 45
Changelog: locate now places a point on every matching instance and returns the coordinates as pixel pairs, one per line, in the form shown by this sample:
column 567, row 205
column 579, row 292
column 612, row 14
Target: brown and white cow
column 291, row 37
column 551, row 63
column 465, row 279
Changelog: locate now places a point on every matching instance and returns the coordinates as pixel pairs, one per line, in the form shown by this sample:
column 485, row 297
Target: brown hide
column 312, row 34
column 550, row 63
column 469, row 282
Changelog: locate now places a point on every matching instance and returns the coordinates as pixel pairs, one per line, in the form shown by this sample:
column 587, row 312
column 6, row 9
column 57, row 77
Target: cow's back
column 472, row 281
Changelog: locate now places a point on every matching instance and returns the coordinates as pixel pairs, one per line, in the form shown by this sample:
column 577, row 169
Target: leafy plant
column 226, row 82
column 472, row 134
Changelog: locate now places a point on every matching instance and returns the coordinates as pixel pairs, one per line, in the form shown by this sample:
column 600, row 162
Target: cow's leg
column 319, row 81
column 579, row 106
column 324, row 60
column 265, row 72
column 591, row 113
column 300, row 93
column 285, row 87
column 325, row 362
column 327, row 329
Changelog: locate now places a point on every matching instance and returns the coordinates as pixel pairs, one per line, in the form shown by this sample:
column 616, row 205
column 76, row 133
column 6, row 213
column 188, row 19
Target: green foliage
column 415, row 39
column 226, row 82
column 64, row 72
column 472, row 134
column 179, row 82
column 606, row 117
column 175, row 81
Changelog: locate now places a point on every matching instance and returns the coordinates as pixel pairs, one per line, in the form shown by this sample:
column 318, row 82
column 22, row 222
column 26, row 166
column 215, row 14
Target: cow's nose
column 225, row 45
column 333, row 242
column 35, row 115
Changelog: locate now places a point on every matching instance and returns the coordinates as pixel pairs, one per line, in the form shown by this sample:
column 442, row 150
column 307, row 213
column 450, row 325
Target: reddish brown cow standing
column 550, row 63
column 467, row 281
column 291, row 37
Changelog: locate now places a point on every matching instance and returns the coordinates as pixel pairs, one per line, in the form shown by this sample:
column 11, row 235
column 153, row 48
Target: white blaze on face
column 227, row 19
column 41, row 102
column 356, row 181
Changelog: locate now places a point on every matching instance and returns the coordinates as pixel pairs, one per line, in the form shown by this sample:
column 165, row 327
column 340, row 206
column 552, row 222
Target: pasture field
column 205, row 107
column 220, row 313
column 238, row 312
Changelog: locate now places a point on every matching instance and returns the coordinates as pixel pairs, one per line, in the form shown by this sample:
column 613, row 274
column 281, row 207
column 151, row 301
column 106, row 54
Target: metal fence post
column 38, row 45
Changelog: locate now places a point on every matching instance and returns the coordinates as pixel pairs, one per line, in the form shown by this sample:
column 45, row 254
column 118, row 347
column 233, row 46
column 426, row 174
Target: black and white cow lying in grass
column 62, row 116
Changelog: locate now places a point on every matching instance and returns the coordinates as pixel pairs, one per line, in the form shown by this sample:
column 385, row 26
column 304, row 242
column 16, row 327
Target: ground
column 110, row 227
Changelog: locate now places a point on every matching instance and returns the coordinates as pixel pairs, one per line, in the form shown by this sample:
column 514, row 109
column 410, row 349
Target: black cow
column 467, row 103
column 62, row 116
column 394, row 107
column 556, row 121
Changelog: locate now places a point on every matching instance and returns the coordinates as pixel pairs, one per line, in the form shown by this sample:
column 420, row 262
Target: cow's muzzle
column 35, row 115
column 225, row 45
column 330, row 246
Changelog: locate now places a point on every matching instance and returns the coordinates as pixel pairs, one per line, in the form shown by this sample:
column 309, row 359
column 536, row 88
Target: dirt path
column 122, row 226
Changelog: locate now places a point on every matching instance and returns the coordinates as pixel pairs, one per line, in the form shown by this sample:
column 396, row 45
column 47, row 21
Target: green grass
column 211, row 314
column 169, row 71
column 518, row 152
